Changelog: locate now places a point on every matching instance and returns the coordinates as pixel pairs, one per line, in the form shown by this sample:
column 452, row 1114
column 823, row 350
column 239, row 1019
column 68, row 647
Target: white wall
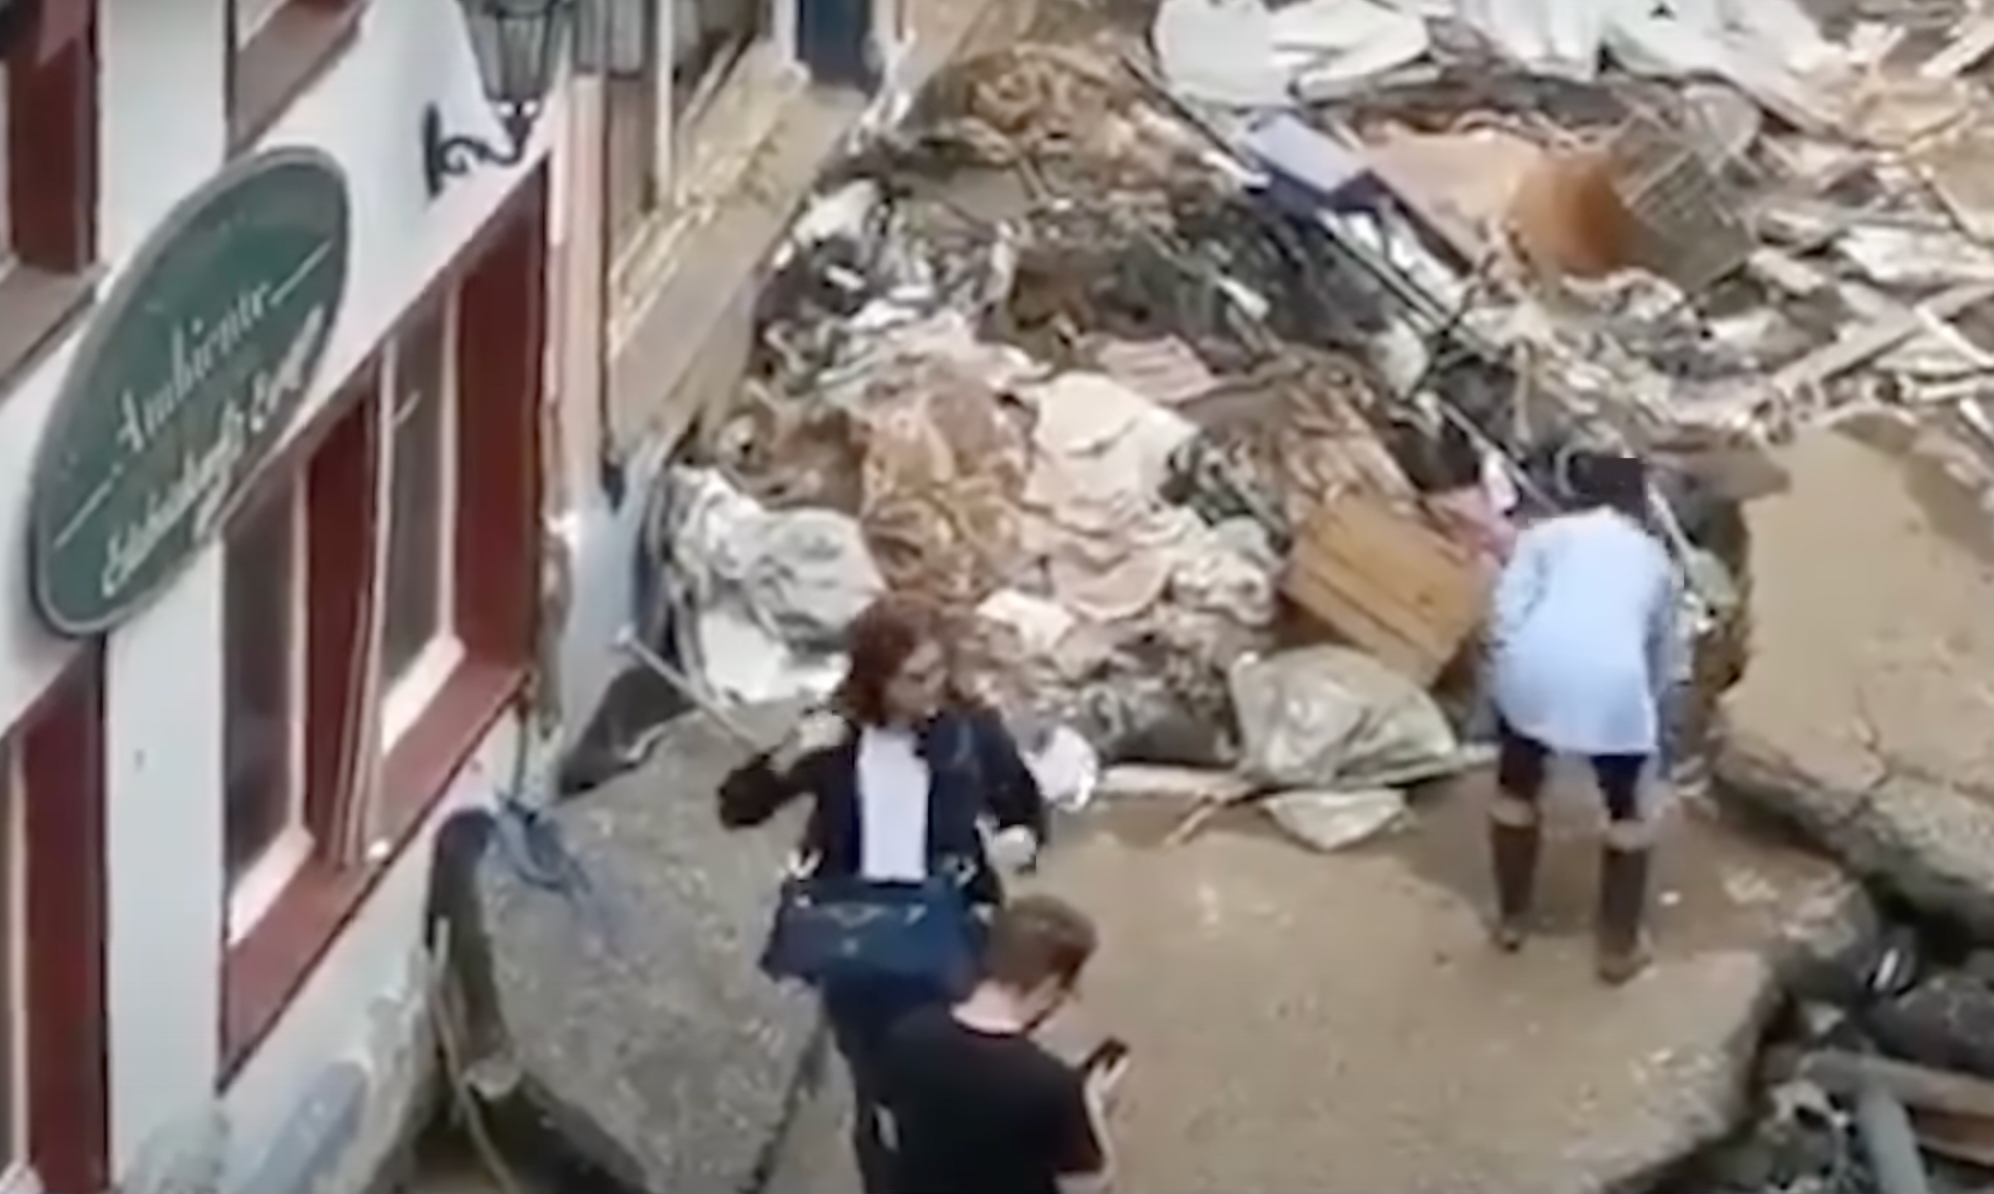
column 163, row 133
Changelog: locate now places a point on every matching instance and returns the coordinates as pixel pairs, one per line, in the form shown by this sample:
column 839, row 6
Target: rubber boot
column 1515, row 837
column 1623, row 902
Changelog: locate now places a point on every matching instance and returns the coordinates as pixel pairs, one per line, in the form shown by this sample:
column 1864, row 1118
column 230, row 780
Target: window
column 53, row 1104
column 631, row 121
column 278, row 47
column 48, row 180
column 252, row 17
column 361, row 675
column 14, row 1170
column 418, row 641
column 265, row 840
column 708, row 39
column 6, row 174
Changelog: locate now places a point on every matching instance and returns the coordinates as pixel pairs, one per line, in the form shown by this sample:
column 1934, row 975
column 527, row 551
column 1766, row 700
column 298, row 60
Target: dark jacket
column 975, row 769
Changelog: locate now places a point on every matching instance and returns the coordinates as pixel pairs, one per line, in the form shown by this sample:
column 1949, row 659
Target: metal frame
column 446, row 156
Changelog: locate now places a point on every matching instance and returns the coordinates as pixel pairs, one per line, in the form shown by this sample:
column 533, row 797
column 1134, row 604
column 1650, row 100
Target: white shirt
column 1584, row 635
column 893, row 807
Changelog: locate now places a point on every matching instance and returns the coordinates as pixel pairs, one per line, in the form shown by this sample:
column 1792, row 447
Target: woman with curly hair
column 901, row 773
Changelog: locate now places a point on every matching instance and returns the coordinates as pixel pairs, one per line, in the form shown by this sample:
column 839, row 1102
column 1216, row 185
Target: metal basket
column 1689, row 220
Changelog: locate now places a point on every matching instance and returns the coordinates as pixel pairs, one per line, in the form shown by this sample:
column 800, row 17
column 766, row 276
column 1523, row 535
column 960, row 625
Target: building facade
column 271, row 497
column 296, row 443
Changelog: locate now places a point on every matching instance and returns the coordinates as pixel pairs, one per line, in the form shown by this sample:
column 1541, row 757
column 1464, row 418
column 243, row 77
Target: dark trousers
column 861, row 1013
column 1521, row 763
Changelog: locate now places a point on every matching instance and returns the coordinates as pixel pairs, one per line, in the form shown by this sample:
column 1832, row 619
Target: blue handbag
column 828, row 929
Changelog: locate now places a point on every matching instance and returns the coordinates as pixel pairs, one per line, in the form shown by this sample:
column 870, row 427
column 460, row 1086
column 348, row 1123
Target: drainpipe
column 1885, row 1128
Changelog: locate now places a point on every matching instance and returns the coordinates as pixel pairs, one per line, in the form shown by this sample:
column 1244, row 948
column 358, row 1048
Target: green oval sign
column 189, row 376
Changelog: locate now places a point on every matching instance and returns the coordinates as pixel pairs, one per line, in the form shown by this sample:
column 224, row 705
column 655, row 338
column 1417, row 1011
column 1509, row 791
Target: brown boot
column 1623, row 901
column 1515, row 836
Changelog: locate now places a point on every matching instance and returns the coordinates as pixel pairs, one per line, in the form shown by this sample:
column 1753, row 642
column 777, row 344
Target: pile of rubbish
column 1213, row 436
column 1882, row 1079
column 1267, row 330
column 1207, row 372
column 1710, row 214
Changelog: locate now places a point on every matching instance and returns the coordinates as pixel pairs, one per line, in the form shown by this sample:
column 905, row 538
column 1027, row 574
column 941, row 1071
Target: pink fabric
column 1468, row 517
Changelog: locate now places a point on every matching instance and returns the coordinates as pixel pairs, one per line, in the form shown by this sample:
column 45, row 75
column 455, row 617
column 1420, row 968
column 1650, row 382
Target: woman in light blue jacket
column 1583, row 644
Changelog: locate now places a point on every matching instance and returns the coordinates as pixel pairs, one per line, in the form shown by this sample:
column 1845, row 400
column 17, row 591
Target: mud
column 1935, row 463
column 1338, row 1023
column 1863, row 719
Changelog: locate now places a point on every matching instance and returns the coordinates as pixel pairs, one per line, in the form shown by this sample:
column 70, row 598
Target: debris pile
column 1142, row 395
column 1783, row 230
column 1884, row 1059
column 1150, row 353
column 1216, row 371
column 1208, row 375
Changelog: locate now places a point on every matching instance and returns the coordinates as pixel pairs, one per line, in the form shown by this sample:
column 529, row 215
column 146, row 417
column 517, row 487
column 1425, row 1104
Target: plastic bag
column 1331, row 717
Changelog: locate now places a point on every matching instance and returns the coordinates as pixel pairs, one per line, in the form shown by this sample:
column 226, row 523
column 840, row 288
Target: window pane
column 251, row 16
column 418, row 495
column 633, row 150
column 259, row 735
column 708, row 37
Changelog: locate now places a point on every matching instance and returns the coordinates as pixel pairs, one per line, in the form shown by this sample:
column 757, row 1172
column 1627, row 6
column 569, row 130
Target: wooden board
column 1961, row 1137
column 1918, row 1087
column 1388, row 583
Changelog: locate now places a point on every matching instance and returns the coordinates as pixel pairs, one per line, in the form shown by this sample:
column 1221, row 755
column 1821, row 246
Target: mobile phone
column 1105, row 1056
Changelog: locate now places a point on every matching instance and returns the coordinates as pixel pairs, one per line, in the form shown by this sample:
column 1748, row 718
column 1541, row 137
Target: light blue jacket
column 1584, row 635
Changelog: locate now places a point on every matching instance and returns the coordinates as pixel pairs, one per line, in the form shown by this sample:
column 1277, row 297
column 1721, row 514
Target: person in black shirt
column 977, row 1106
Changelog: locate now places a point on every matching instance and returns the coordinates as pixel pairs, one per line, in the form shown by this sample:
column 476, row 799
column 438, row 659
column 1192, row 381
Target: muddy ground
column 1864, row 718
column 1874, row 642
column 1338, row 1023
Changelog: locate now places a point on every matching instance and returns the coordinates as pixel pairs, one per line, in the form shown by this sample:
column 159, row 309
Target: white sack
column 1329, row 821
column 1331, row 717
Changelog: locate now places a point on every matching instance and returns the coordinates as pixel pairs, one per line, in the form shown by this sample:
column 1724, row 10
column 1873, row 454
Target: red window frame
column 58, row 749
column 274, row 64
column 51, row 141
column 365, row 805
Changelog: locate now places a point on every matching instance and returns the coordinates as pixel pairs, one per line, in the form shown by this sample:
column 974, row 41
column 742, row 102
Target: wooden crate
column 1386, row 582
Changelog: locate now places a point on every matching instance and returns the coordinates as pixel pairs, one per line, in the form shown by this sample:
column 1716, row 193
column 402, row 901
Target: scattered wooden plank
column 1879, row 337
column 1960, row 1137
column 1155, row 781
column 1919, row 1087
column 1192, row 823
